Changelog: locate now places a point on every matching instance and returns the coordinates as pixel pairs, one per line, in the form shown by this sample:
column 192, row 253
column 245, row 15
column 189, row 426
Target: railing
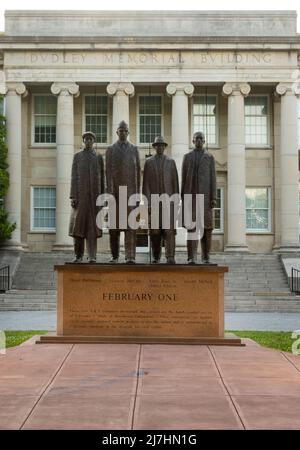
column 4, row 279
column 295, row 280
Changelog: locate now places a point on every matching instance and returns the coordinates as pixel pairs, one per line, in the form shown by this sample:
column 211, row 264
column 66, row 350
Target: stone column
column 13, row 200
column 276, row 172
column 289, row 172
column 236, row 167
column 64, row 158
column 120, row 93
column 180, row 93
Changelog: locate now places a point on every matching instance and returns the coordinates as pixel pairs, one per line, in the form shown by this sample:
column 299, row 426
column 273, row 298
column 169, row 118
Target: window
column 257, row 120
column 150, row 118
column 205, row 117
column 219, row 212
column 258, row 211
column 43, row 201
column 45, row 119
column 96, row 116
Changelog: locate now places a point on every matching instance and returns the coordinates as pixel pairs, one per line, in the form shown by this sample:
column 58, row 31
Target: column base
column 12, row 246
column 236, row 249
column 293, row 248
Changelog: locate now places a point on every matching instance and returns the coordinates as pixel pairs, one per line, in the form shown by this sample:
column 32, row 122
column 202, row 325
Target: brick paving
column 110, row 386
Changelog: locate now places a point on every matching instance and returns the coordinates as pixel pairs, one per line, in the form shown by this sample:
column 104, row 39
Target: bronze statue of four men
column 160, row 177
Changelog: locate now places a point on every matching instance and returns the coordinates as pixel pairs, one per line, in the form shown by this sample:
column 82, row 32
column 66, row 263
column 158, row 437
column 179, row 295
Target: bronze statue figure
column 87, row 183
column 161, row 177
column 199, row 177
column 122, row 169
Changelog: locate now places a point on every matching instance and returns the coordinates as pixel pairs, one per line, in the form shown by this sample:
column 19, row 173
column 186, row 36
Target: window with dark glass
column 45, row 107
column 96, row 116
column 150, row 118
column 205, row 117
column 43, row 208
column 256, row 120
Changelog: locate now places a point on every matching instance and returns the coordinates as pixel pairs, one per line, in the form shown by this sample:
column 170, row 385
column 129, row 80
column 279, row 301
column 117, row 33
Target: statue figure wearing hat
column 87, row 183
column 123, row 169
column 199, row 177
column 161, row 177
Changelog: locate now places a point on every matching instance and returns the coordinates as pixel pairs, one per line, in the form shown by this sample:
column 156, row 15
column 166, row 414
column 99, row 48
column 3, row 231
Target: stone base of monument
column 146, row 304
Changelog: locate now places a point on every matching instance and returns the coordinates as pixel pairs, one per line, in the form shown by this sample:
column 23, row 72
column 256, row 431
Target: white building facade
column 233, row 75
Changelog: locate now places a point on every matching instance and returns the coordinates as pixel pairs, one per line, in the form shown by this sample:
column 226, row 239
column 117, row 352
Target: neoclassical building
column 233, row 75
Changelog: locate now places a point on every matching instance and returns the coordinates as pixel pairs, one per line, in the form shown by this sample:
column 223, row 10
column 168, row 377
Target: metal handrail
column 4, row 278
column 295, row 280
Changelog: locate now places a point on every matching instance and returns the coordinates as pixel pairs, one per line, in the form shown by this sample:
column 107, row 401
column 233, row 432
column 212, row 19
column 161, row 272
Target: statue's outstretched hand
column 74, row 203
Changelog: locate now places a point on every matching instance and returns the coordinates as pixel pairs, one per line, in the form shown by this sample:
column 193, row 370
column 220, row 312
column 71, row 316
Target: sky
column 153, row 5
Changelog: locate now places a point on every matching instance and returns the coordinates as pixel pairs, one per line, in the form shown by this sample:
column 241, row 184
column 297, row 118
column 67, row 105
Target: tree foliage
column 6, row 228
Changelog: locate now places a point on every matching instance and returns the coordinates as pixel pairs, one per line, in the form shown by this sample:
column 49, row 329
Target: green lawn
column 278, row 340
column 14, row 338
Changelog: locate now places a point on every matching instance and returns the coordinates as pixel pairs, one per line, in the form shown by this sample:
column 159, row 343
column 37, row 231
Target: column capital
column 236, row 89
column 16, row 88
column 186, row 88
column 124, row 88
column 288, row 88
column 65, row 89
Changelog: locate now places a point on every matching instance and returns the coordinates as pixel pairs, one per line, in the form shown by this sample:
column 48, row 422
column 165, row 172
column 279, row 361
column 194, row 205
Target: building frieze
column 147, row 58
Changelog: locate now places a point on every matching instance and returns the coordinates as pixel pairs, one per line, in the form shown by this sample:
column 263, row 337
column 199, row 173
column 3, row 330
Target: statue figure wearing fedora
column 87, row 183
column 161, row 177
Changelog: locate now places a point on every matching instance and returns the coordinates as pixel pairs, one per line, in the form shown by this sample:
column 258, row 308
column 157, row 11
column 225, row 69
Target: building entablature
column 159, row 66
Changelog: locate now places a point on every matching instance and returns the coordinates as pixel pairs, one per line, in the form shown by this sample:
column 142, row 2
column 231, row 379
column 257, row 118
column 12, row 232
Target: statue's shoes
column 114, row 260
column 205, row 260
column 91, row 260
column 130, row 261
column 191, row 261
column 77, row 260
column 155, row 261
column 171, row 261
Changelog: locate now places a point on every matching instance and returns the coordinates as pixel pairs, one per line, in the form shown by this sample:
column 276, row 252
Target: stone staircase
column 254, row 283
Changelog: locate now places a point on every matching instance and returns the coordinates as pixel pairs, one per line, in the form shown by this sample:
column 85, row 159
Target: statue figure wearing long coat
column 123, row 169
column 87, row 183
column 161, row 177
column 199, row 177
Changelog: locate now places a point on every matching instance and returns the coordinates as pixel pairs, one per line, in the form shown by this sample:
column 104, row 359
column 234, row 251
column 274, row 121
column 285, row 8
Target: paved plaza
column 95, row 386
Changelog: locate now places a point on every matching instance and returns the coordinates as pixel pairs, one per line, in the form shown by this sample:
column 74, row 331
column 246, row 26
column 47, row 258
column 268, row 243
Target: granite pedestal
column 122, row 303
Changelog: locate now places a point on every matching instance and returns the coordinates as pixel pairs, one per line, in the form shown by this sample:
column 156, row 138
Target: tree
column 6, row 228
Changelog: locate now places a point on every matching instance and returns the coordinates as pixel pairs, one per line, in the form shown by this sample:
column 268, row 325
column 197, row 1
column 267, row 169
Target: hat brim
column 155, row 144
column 89, row 134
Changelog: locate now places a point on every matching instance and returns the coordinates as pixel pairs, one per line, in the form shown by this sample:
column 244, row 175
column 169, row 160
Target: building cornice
column 158, row 23
column 150, row 42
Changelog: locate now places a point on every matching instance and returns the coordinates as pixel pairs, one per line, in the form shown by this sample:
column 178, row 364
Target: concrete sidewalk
column 148, row 387
column 46, row 320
